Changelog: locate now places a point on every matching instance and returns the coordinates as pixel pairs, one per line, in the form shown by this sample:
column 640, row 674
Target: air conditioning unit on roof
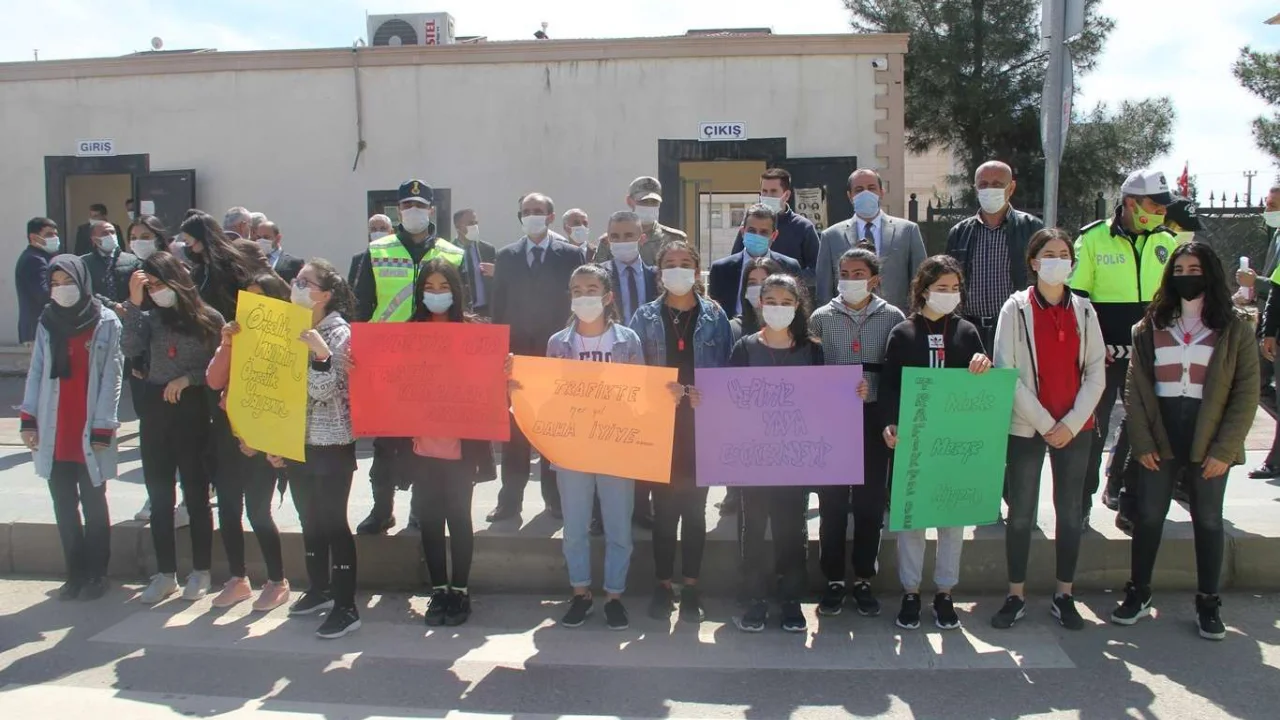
column 412, row 29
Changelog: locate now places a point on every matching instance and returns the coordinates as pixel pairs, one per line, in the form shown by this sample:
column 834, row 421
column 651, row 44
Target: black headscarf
column 63, row 323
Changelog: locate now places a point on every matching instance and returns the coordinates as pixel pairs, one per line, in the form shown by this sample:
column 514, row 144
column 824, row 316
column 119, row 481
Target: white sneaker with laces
column 198, row 583
column 162, row 586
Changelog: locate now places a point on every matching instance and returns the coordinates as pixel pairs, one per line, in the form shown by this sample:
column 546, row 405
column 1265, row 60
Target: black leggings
column 246, row 483
column 442, row 494
column 671, row 505
column 321, row 487
column 173, row 440
column 86, row 546
column 868, row 502
column 783, row 510
column 1155, row 494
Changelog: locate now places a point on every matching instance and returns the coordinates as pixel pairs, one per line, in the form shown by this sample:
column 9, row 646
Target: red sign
column 428, row 379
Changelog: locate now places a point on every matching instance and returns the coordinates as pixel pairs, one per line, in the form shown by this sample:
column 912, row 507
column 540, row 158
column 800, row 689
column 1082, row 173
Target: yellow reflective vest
column 394, row 273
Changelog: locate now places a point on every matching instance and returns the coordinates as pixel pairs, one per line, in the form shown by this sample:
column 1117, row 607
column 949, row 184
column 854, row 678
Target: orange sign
column 597, row 417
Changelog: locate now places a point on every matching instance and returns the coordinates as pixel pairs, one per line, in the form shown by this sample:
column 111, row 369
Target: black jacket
column 726, row 278
column 288, row 266
column 797, row 239
column 356, row 261
column 119, row 265
column 31, row 279
column 534, row 303
column 1018, row 226
column 469, row 274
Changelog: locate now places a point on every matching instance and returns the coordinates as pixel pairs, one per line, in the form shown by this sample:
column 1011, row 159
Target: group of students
column 1191, row 385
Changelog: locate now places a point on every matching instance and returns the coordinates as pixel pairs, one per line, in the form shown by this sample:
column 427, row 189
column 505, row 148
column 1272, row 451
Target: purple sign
column 779, row 426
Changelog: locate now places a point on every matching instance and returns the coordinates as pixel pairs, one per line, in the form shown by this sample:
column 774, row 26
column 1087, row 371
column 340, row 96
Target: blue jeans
column 617, row 499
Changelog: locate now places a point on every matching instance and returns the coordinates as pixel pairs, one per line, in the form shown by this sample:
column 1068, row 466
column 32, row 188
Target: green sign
column 953, row 430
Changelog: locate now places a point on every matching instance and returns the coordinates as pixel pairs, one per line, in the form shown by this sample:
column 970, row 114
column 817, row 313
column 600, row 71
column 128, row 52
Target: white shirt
column 596, row 349
column 860, row 229
column 530, row 244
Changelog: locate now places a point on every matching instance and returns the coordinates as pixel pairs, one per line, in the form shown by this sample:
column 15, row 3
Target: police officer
column 1119, row 265
column 384, row 293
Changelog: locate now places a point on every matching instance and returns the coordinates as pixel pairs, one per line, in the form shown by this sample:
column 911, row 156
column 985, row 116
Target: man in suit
column 477, row 267
column 759, row 232
column 531, row 295
column 897, row 241
column 84, row 240
column 577, row 229
column 644, row 197
column 237, row 223
column 109, row 267
column 267, row 235
column 379, row 227
column 634, row 282
column 797, row 237
column 31, row 275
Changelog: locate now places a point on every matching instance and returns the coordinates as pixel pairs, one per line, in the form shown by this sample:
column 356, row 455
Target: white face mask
column 942, row 303
column 991, row 200
column 626, row 252
column 778, row 317
column 1271, row 218
column 108, row 243
column 753, row 295
column 415, row 220
column 678, row 281
column 437, row 302
column 773, row 203
column 300, row 295
column 473, row 232
column 588, row 309
column 534, row 224
column 580, row 234
column 1054, row 271
column 131, row 215
column 143, row 248
column 65, row 295
column 164, row 297
column 267, row 246
column 854, row 291
column 378, row 235
column 648, row 214
column 52, row 244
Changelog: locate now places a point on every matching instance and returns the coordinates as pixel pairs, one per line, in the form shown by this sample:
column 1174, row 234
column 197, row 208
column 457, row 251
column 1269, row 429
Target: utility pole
column 1248, row 193
column 1059, row 21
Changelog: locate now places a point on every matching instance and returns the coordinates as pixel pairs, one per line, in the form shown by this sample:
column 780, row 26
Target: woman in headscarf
column 69, row 419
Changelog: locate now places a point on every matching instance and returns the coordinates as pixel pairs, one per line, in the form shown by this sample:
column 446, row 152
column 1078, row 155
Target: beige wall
column 926, row 176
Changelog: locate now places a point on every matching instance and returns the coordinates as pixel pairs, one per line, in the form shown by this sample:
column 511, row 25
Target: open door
column 820, row 188
column 167, row 194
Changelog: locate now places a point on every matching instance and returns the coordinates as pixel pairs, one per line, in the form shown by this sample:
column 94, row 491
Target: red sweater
column 73, row 406
column 1057, row 356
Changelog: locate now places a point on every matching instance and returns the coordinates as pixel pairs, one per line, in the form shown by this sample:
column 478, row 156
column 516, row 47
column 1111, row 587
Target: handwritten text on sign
column 597, row 417
column 779, row 426
column 430, row 379
column 267, row 395
column 953, row 431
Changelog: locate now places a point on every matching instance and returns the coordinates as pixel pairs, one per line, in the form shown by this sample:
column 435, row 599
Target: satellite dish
column 156, row 43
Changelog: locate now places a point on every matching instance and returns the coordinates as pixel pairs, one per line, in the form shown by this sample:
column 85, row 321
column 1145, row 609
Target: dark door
column 820, row 188
column 383, row 202
column 171, row 192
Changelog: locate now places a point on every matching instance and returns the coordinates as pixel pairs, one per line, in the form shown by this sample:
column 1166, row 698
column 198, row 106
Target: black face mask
column 1187, row 287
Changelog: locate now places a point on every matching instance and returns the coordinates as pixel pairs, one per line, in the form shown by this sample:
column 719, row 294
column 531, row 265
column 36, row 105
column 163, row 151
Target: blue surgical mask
column 437, row 302
column 756, row 245
column 866, row 204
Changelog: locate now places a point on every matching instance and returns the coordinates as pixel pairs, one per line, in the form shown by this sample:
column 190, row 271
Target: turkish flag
column 1184, row 182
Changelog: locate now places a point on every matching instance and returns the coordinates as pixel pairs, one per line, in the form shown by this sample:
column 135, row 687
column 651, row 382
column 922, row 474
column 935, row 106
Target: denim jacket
column 625, row 350
column 712, row 338
column 40, row 400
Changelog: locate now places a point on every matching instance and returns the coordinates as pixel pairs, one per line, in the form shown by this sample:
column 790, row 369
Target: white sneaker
column 180, row 517
column 144, row 515
column 198, row 583
column 162, row 586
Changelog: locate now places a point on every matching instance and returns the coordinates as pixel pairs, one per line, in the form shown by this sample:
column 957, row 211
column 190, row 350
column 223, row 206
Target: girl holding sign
column 935, row 336
column 683, row 330
column 1190, row 400
column 1052, row 338
column 166, row 320
column 783, row 342
column 445, row 470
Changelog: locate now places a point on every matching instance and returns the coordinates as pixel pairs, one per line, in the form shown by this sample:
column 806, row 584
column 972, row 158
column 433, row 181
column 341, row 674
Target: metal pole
column 1248, row 193
column 1051, row 107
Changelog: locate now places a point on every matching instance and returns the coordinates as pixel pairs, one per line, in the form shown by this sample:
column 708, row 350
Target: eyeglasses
column 302, row 284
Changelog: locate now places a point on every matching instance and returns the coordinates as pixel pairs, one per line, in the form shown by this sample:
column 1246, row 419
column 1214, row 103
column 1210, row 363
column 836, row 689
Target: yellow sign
column 597, row 417
column 267, row 396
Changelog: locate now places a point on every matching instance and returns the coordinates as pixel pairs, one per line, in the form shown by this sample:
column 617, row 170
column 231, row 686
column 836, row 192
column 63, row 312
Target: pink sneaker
column 273, row 596
column 236, row 590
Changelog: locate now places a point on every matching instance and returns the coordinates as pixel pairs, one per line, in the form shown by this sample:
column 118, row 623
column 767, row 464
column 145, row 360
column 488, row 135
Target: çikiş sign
column 719, row 131
column 95, row 147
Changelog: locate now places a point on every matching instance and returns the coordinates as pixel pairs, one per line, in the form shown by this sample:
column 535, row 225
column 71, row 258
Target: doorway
column 714, row 197
column 109, row 189
column 72, row 184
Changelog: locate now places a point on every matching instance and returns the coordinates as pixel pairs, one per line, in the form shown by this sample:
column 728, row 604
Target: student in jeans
column 854, row 328
column 595, row 334
column 1190, row 398
column 69, row 419
column 783, row 342
column 246, row 480
column 444, row 470
column 321, row 484
column 166, row 320
column 1052, row 338
column 683, row 330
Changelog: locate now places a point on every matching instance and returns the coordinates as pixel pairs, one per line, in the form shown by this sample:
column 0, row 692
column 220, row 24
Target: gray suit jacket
column 901, row 252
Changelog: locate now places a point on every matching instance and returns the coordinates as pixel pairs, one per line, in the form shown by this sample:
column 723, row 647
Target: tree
column 1259, row 73
column 974, row 78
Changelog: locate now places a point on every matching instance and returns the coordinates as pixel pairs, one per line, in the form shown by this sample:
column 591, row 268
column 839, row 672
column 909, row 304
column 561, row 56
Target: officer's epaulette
column 1092, row 225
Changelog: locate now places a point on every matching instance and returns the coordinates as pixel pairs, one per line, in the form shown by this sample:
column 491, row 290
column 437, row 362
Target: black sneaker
column 596, row 528
column 93, row 589
column 437, row 606
column 865, row 601
column 1209, row 618
column 579, row 611
column 793, row 617
column 414, row 524
column 458, row 610
column 909, row 616
column 1064, row 608
column 944, row 612
column 615, row 615
column 832, row 602
column 376, row 524
column 1013, row 610
column 1136, row 605
column 1265, row 471
column 755, row 617
column 662, row 604
column 691, row 605
column 1109, row 500
column 340, row 622
column 311, row 602
column 70, row 590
